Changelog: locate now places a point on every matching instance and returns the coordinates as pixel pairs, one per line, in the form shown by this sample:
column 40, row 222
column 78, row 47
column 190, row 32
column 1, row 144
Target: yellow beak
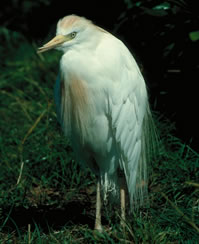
column 56, row 41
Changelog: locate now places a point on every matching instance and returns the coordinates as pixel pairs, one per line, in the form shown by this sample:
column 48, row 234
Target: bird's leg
column 98, row 224
column 122, row 201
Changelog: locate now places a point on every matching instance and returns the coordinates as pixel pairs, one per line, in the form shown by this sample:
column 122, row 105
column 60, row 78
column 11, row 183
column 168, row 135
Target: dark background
column 159, row 34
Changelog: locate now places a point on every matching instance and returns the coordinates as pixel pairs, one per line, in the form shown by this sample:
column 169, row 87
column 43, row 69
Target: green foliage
column 41, row 180
column 194, row 35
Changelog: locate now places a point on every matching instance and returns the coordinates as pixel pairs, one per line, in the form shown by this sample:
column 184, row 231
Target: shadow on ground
column 46, row 218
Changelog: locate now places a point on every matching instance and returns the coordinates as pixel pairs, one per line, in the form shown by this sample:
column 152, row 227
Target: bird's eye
column 73, row 34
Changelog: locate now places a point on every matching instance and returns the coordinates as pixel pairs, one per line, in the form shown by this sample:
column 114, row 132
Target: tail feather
column 148, row 148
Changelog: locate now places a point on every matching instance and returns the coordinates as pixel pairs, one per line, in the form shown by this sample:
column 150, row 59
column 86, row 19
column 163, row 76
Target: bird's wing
column 127, row 107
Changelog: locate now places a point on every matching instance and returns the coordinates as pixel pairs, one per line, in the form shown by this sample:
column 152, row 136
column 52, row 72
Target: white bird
column 102, row 105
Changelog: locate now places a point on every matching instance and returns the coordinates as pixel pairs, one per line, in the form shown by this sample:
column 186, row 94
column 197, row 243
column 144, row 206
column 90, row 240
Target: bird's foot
column 123, row 223
column 98, row 228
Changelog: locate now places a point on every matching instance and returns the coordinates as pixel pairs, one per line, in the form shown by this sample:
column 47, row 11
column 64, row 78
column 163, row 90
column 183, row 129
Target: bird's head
column 71, row 30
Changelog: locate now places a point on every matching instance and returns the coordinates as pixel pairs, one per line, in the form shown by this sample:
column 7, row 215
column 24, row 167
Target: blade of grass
column 24, row 139
column 187, row 219
column 19, row 102
column 192, row 184
column 6, row 219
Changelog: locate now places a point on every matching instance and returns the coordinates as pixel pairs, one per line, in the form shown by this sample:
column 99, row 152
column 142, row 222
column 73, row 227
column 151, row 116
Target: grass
column 46, row 198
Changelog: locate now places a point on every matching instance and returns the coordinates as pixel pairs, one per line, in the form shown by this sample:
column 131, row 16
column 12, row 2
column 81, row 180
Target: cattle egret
column 102, row 106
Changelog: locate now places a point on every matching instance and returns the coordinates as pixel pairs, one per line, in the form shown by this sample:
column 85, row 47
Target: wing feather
column 129, row 105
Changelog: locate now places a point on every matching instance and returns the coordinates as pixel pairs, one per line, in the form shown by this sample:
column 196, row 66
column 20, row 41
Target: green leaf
column 194, row 36
column 155, row 12
column 163, row 6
